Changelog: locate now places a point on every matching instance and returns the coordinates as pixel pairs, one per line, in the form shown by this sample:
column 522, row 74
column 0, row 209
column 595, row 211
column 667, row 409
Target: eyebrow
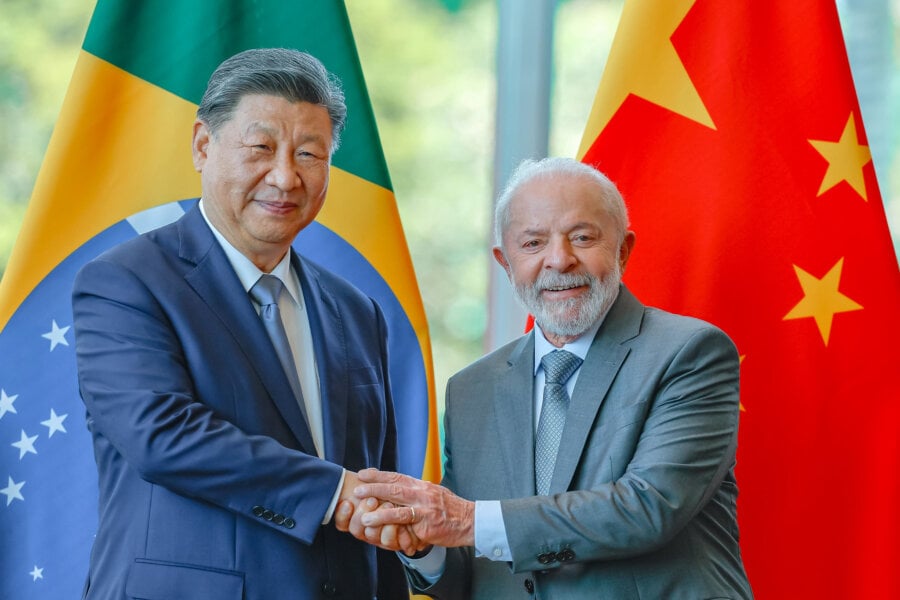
column 575, row 227
column 260, row 127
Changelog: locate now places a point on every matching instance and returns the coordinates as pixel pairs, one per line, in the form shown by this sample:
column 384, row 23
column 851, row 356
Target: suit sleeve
column 139, row 383
column 391, row 580
column 685, row 448
column 455, row 583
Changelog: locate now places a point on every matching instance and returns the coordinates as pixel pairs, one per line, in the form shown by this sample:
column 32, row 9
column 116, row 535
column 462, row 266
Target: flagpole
column 524, row 58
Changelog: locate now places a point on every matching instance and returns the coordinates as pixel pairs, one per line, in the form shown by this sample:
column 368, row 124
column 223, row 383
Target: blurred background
column 431, row 71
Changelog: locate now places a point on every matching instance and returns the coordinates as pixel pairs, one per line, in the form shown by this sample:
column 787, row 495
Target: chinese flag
column 734, row 132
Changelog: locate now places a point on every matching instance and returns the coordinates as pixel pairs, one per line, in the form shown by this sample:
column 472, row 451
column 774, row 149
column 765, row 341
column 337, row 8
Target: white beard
column 573, row 316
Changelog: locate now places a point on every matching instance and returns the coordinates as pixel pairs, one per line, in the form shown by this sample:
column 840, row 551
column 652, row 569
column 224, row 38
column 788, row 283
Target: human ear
column 200, row 144
column 501, row 258
column 626, row 248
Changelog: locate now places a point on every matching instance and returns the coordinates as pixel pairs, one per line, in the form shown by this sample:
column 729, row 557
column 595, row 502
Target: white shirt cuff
column 337, row 495
column 490, row 531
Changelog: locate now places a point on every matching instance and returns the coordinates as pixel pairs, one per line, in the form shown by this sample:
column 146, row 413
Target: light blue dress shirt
column 491, row 540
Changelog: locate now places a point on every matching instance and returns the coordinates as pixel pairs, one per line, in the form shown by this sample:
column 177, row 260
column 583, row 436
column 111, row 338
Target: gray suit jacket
column 643, row 498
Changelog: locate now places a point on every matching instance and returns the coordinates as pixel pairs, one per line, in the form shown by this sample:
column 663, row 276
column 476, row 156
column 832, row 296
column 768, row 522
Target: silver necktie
column 558, row 365
column 266, row 292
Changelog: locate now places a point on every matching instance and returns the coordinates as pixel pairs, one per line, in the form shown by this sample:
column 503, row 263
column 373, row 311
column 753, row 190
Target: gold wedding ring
column 412, row 512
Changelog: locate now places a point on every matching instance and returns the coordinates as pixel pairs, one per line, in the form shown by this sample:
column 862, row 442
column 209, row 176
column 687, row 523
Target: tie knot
column 559, row 366
column 266, row 290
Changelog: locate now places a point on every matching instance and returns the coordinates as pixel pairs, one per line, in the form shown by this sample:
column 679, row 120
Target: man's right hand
column 348, row 514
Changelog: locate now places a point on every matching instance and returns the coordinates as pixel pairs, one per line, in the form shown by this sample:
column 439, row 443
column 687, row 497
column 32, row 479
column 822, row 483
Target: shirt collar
column 579, row 347
column 249, row 273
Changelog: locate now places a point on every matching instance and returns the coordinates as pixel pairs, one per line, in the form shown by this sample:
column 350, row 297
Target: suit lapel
column 217, row 284
column 603, row 361
column 326, row 326
column 514, row 418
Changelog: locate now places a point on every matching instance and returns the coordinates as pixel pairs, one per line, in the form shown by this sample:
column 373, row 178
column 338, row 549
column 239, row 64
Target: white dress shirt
column 296, row 325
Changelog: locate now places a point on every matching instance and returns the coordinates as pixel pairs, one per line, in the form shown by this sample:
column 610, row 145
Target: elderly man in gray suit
column 591, row 458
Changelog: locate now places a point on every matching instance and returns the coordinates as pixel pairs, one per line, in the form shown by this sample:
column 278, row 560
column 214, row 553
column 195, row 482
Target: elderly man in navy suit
column 228, row 424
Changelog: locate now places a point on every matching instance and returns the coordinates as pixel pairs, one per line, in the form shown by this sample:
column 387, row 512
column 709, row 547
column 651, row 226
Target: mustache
column 558, row 281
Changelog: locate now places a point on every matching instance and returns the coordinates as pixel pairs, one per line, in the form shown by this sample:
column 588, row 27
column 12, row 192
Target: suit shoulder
column 137, row 253
column 657, row 317
column 494, row 361
column 661, row 327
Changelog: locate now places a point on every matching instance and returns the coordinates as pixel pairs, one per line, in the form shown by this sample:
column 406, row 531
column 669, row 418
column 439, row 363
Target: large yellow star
column 821, row 299
column 846, row 159
column 643, row 62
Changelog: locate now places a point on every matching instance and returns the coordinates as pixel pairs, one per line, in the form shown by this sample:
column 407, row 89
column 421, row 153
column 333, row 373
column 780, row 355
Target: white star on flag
column 25, row 444
column 6, row 403
column 54, row 423
column 56, row 336
column 12, row 491
column 37, row 573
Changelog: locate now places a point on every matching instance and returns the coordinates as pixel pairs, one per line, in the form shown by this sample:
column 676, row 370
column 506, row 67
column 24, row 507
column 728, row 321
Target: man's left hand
column 433, row 513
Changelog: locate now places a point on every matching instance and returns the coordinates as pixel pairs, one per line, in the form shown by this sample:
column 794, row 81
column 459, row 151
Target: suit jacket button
column 278, row 519
column 329, row 589
column 268, row 515
column 567, row 555
column 529, row 586
column 289, row 523
column 258, row 511
column 545, row 558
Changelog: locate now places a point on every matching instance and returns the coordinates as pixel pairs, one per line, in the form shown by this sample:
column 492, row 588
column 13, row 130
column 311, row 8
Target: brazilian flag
column 118, row 164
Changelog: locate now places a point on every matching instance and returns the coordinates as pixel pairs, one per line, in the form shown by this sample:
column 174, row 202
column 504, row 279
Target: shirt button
column 498, row 552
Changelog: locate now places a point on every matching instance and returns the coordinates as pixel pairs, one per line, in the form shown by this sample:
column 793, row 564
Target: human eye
column 258, row 145
column 309, row 154
column 583, row 238
column 532, row 244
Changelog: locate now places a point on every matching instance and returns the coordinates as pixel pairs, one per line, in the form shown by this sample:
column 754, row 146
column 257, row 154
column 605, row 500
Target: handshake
column 400, row 513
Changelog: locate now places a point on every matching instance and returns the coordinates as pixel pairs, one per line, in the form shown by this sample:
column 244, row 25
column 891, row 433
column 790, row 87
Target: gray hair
column 558, row 166
column 293, row 75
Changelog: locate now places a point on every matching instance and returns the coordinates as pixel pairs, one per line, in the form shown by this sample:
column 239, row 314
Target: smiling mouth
column 561, row 288
column 276, row 205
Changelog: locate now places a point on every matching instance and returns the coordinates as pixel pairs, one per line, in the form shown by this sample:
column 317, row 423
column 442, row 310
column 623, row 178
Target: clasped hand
column 401, row 513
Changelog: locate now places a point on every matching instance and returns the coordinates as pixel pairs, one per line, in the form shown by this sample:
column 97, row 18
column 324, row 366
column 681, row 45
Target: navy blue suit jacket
column 210, row 486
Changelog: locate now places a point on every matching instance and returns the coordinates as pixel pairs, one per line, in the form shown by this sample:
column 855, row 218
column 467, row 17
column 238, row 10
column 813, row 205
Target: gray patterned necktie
column 558, row 365
column 265, row 292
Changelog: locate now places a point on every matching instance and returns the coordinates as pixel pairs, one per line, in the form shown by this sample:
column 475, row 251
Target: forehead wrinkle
column 273, row 131
column 260, row 127
column 580, row 225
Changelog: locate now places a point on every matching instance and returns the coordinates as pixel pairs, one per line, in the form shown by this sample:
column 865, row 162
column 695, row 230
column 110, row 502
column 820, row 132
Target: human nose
column 284, row 174
column 559, row 256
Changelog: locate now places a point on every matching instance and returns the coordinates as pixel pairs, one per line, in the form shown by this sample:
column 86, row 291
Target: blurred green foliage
column 430, row 70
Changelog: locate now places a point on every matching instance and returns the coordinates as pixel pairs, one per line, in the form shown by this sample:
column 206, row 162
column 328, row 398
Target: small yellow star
column 643, row 62
column 846, row 159
column 821, row 299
